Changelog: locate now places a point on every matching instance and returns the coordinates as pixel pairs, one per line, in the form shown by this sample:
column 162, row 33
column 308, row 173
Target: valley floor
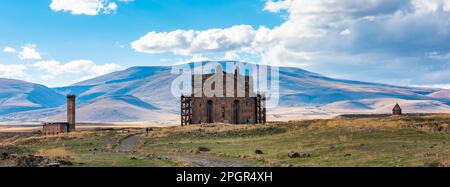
column 390, row 141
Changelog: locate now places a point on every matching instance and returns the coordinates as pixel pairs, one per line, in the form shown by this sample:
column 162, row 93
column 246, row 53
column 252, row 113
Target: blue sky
column 106, row 38
column 59, row 42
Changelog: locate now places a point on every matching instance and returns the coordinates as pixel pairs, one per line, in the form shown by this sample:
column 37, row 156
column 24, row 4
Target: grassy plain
column 389, row 141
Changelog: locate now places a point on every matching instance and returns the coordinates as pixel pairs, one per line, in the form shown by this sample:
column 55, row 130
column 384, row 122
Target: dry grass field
column 418, row 141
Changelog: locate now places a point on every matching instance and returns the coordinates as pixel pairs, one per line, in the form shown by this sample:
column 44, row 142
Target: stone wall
column 54, row 128
column 224, row 110
column 235, row 104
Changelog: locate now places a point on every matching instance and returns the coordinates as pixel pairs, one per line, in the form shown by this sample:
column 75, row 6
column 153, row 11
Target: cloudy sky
column 60, row 42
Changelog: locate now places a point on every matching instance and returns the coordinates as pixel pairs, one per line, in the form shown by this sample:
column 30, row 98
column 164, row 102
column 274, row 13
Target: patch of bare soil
column 128, row 144
column 206, row 160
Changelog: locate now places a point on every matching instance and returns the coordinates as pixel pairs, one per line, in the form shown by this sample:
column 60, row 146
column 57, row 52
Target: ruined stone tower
column 56, row 128
column 71, row 112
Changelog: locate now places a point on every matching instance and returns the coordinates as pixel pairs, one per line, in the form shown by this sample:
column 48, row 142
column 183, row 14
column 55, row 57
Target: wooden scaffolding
column 260, row 109
column 186, row 110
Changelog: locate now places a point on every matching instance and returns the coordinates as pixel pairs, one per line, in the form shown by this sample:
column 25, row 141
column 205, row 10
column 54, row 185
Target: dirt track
column 128, row 144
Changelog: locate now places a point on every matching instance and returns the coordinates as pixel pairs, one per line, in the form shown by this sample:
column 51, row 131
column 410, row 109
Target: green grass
column 92, row 151
column 407, row 141
column 118, row 160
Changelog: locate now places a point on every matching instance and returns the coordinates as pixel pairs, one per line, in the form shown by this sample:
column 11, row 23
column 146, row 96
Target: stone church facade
column 237, row 103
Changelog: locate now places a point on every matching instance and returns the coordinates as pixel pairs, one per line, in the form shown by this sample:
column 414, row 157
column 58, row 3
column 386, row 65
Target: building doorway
column 209, row 112
column 235, row 111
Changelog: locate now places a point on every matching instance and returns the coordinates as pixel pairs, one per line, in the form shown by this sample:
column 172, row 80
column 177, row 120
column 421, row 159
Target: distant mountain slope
column 150, row 84
column 299, row 88
column 117, row 109
column 17, row 96
column 144, row 94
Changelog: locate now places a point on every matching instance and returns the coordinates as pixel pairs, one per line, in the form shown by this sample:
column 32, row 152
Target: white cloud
column 13, row 71
column 194, row 58
column 307, row 22
column 112, row 7
column 345, row 32
column 9, row 50
column 86, row 7
column 276, row 6
column 382, row 37
column 54, row 67
column 29, row 52
column 442, row 86
column 190, row 42
column 104, row 69
column 47, row 77
column 431, row 5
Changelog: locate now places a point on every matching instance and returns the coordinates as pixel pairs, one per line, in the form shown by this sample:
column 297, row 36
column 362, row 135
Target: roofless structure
column 56, row 128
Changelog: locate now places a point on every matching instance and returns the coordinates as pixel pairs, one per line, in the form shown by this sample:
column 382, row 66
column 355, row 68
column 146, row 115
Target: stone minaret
column 71, row 113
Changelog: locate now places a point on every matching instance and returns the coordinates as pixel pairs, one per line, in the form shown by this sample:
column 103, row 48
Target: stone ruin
column 397, row 110
column 239, row 104
column 56, row 128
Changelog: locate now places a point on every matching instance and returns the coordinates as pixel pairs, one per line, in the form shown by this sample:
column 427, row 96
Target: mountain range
column 144, row 94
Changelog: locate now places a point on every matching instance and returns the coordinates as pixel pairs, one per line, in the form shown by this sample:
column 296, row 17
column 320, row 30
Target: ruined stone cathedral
column 232, row 103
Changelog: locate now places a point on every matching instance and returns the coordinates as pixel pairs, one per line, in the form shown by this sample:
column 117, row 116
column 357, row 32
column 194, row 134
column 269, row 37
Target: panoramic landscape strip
column 224, row 91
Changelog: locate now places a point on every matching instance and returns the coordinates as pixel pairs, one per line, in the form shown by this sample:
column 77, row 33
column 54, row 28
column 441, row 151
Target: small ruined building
column 397, row 111
column 238, row 105
column 56, row 128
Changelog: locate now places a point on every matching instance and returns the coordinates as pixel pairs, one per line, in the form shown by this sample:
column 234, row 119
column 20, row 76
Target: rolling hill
column 144, row 94
column 18, row 96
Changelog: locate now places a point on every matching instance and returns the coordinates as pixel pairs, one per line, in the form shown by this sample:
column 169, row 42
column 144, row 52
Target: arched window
column 223, row 111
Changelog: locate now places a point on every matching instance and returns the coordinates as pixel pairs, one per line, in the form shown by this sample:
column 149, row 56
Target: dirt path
column 128, row 144
column 199, row 160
